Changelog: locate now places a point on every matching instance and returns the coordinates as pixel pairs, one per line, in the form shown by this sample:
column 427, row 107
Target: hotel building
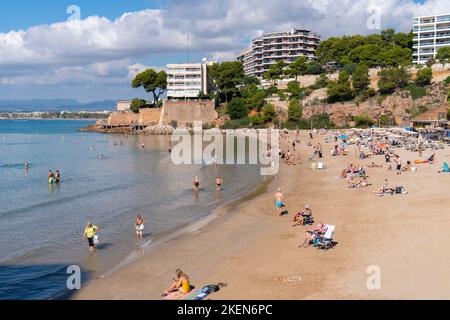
column 430, row 33
column 272, row 47
column 186, row 81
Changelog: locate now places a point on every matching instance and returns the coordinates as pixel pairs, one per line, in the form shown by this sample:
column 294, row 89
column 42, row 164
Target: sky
column 90, row 50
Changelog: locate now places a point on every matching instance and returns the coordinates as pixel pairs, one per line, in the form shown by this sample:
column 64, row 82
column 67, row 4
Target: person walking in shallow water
column 139, row 226
column 219, row 183
column 90, row 234
column 196, row 184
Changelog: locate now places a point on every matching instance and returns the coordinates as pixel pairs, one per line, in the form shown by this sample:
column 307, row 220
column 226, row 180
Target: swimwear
column 279, row 204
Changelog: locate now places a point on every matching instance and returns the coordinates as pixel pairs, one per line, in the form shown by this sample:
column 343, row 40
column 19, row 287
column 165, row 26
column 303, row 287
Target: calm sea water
column 41, row 225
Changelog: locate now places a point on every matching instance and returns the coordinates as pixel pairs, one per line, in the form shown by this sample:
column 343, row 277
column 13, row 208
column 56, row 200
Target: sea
column 42, row 224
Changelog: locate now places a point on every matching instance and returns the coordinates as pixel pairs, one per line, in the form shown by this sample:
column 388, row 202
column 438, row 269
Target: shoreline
column 163, row 238
column 256, row 252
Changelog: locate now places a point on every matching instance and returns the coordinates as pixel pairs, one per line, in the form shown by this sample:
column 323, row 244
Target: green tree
column 293, row 87
column 313, row 67
column 136, row 104
column 227, row 76
column 275, row 71
column 151, row 81
column 360, row 78
column 297, row 68
column 364, row 121
column 268, row 112
column 295, row 111
column 395, row 56
column 236, row 109
column 424, row 77
column 341, row 89
column 392, row 79
column 321, row 82
column 367, row 54
column 443, row 55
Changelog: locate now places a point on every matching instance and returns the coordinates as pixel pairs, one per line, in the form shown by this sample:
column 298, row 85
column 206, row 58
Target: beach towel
column 445, row 167
column 176, row 295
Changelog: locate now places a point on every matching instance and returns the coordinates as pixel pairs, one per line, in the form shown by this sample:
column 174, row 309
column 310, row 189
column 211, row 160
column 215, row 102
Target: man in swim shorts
column 58, row 177
column 196, row 184
column 279, row 201
column 219, row 182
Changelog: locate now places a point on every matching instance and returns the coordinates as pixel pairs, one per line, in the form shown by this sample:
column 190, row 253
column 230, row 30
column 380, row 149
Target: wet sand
column 257, row 253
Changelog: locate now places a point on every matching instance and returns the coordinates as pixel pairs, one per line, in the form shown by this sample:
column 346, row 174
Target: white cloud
column 99, row 51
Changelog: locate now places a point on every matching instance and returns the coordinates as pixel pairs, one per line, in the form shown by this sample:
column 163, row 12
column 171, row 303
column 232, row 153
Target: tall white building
column 187, row 80
column 430, row 33
column 272, row 47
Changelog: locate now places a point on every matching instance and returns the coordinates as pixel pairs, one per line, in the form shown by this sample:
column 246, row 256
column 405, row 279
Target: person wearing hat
column 299, row 218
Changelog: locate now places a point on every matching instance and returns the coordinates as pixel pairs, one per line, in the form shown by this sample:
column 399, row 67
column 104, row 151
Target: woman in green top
column 90, row 233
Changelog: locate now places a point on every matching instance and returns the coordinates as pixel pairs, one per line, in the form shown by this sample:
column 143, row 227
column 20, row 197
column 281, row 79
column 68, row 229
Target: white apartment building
column 275, row 46
column 430, row 33
column 186, row 81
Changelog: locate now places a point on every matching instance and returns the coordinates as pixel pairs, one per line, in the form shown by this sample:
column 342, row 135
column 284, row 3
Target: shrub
column 416, row 92
column 424, row 77
column 294, row 111
column 268, row 112
column 236, row 124
column 364, row 121
column 236, row 109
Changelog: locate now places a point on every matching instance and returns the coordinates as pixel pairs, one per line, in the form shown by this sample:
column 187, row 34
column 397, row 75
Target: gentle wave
column 60, row 200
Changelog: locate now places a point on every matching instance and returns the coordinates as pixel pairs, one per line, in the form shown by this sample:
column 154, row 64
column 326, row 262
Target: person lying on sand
column 180, row 284
column 445, row 168
column 361, row 184
column 374, row 165
column 310, row 235
column 299, row 218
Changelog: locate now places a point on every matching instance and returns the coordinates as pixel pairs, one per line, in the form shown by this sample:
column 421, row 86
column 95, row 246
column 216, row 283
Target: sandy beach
column 257, row 253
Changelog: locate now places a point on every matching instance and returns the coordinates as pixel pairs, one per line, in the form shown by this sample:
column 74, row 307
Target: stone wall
column 186, row 112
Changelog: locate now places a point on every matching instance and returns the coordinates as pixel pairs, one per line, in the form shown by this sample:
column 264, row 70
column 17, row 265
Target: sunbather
column 181, row 284
column 300, row 217
column 445, row 168
column 310, row 235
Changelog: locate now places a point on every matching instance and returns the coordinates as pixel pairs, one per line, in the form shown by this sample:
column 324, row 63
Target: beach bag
column 210, row 288
column 96, row 240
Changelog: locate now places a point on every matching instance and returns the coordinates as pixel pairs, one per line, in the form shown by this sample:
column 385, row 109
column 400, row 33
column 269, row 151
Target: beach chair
column 326, row 241
column 308, row 220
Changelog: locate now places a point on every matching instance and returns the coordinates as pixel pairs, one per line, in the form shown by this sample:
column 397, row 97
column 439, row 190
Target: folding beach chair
column 326, row 241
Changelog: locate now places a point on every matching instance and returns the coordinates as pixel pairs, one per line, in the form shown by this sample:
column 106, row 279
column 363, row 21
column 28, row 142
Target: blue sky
column 42, row 55
column 20, row 14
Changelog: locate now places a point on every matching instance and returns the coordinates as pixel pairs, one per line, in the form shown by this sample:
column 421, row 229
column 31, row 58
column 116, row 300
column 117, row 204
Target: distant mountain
column 55, row 105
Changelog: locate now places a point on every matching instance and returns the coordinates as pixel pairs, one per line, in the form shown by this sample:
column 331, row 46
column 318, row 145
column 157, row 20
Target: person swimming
column 219, row 183
column 57, row 176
